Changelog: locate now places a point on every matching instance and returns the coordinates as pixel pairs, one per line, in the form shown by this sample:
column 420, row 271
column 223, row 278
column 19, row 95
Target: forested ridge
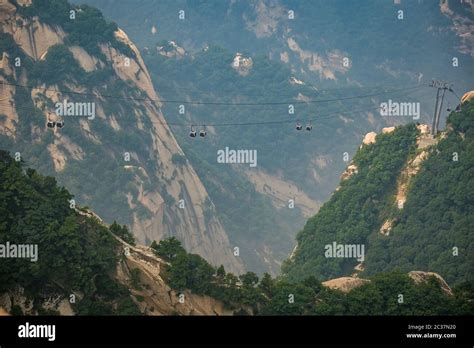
column 353, row 211
column 76, row 254
column 433, row 230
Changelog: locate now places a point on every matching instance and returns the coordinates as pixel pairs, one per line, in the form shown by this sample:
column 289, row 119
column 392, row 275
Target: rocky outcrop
column 411, row 168
column 242, row 64
column 421, row 277
column 171, row 50
column 369, row 138
column 424, row 140
column 346, row 284
column 387, row 227
column 152, row 295
column 326, row 65
column 467, row 97
column 349, row 172
column 8, row 108
column 268, row 15
column 32, row 36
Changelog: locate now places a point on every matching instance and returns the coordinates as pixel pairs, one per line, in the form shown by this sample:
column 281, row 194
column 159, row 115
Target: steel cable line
column 368, row 107
column 33, row 108
column 163, row 101
column 321, row 116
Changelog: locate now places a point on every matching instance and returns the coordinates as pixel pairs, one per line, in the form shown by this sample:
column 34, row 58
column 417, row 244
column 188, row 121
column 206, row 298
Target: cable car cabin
column 192, row 133
column 299, row 126
column 60, row 124
column 202, row 133
column 309, row 126
column 50, row 124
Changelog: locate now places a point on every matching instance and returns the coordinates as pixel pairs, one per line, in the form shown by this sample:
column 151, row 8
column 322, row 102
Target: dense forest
column 353, row 212
column 76, row 255
column 247, row 294
column 434, row 229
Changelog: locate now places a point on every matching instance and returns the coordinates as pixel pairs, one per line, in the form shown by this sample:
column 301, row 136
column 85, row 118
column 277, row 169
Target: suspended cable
column 368, row 107
column 97, row 95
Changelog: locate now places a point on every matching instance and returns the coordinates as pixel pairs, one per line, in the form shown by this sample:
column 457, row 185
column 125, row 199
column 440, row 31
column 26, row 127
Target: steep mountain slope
column 433, row 230
column 404, row 200
column 140, row 271
column 123, row 159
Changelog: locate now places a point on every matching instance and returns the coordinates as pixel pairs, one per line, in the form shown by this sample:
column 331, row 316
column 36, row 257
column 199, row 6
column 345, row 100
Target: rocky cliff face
column 156, row 297
column 159, row 197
